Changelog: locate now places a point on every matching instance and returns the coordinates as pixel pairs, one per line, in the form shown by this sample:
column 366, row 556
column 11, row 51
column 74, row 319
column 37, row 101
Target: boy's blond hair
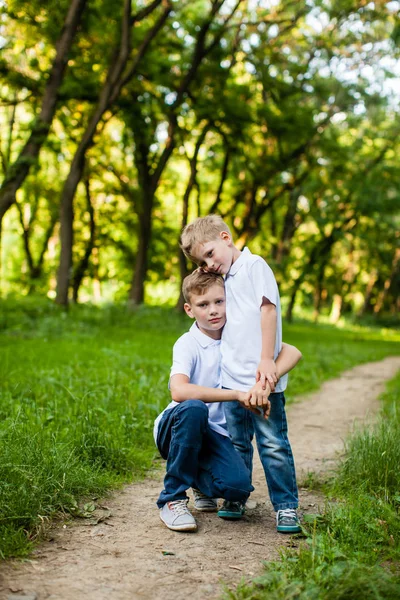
column 199, row 282
column 201, row 230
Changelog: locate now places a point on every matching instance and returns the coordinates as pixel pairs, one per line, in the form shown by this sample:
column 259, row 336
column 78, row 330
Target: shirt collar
column 203, row 339
column 239, row 262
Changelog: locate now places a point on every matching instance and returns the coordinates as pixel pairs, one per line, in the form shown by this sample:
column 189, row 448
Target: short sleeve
column 183, row 358
column 264, row 282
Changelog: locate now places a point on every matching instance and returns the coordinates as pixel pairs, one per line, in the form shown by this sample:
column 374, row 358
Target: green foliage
column 40, row 475
column 301, row 156
column 323, row 574
column 373, row 455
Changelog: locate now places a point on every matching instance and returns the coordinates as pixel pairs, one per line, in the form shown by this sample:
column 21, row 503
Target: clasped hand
column 267, row 373
column 256, row 400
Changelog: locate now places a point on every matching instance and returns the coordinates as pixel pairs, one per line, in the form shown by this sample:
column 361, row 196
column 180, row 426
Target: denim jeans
column 199, row 457
column 273, row 447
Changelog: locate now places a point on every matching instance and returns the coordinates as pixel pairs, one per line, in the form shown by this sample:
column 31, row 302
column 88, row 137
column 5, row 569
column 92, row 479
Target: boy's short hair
column 201, row 230
column 199, row 282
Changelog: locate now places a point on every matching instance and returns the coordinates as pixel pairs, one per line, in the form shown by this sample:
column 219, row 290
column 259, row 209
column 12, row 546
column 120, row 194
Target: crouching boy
column 191, row 433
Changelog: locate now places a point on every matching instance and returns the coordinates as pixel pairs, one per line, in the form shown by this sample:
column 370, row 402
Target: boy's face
column 208, row 310
column 216, row 256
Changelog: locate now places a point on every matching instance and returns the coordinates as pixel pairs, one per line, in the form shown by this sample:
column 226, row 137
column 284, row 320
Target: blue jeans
column 273, row 447
column 199, row 457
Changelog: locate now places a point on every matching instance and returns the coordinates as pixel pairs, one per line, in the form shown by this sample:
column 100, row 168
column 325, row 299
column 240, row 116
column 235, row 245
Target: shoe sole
column 211, row 509
column 230, row 516
column 282, row 529
column 187, row 527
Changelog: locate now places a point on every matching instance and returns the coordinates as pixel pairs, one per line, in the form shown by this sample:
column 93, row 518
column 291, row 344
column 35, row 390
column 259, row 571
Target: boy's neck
column 235, row 254
column 214, row 335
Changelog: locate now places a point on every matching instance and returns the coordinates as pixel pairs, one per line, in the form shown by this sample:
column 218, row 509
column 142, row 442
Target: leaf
column 89, row 507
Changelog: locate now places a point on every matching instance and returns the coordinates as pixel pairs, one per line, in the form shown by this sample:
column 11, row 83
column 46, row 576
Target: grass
column 352, row 551
column 80, row 390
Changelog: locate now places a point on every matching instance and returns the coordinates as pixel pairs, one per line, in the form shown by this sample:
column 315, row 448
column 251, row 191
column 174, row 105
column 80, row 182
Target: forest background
column 122, row 121
column 119, row 123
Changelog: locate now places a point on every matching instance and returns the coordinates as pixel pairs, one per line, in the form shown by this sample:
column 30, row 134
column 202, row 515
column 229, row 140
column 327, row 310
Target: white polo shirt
column 248, row 281
column 198, row 356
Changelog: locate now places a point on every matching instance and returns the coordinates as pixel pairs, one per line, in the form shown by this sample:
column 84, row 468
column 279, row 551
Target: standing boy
column 191, row 433
column 251, row 342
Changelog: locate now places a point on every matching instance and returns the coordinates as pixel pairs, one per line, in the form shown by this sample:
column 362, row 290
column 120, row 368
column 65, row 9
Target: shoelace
column 287, row 512
column 179, row 507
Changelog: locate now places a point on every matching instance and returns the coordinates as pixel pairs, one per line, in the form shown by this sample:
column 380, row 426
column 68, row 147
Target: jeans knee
column 193, row 410
column 238, row 486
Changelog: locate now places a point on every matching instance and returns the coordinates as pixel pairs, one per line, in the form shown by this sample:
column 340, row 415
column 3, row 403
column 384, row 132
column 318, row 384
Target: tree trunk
column 289, row 227
column 83, row 265
column 319, row 253
column 183, row 272
column 373, row 278
column 317, row 301
column 96, row 280
column 35, row 270
column 18, row 171
column 109, row 93
column 136, row 293
column 336, row 310
column 319, row 291
column 292, row 301
column 224, row 174
column 66, row 236
column 388, row 283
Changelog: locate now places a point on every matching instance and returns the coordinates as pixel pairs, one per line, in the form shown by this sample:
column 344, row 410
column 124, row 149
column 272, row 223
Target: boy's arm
column 287, row 359
column 267, row 370
column 181, row 390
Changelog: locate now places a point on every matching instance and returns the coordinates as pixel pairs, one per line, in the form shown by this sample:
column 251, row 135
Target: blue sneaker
column 287, row 521
column 231, row 510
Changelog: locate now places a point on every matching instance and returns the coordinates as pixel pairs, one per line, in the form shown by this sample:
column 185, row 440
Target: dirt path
column 130, row 555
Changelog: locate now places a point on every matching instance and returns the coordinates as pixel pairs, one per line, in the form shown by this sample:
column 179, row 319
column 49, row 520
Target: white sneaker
column 176, row 516
column 204, row 503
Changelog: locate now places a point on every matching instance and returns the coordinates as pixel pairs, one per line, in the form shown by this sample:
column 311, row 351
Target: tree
column 119, row 74
column 17, row 172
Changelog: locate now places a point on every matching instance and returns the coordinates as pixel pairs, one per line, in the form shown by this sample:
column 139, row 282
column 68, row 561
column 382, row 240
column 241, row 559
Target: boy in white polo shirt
column 191, row 433
column 251, row 342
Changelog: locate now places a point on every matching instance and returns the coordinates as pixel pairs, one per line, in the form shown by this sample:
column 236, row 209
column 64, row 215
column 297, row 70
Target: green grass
column 352, row 551
column 80, row 390
column 328, row 351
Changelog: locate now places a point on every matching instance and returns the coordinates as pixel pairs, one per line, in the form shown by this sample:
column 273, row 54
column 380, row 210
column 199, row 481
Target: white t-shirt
column 248, row 281
column 198, row 356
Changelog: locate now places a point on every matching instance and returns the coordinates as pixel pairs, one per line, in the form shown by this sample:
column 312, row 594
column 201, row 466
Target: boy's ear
column 188, row 310
column 224, row 235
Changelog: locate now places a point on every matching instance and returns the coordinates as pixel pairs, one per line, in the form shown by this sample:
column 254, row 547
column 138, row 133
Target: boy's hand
column 259, row 399
column 244, row 398
column 256, row 400
column 267, row 372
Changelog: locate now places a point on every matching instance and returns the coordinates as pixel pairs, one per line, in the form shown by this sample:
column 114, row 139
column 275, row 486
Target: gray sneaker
column 176, row 516
column 204, row 503
column 287, row 521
